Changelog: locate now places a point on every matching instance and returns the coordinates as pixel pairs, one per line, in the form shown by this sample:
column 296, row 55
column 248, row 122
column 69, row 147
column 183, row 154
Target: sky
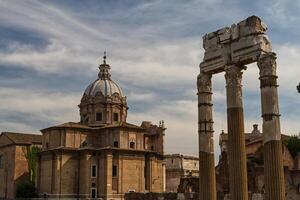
column 50, row 52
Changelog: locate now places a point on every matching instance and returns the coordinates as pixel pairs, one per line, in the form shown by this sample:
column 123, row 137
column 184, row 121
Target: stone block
column 240, row 44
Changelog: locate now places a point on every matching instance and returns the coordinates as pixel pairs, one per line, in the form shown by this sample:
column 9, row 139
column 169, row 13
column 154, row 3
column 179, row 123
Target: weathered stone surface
column 256, row 175
column 161, row 196
column 207, row 182
column 241, row 44
column 205, row 118
column 229, row 49
column 151, row 196
column 180, row 166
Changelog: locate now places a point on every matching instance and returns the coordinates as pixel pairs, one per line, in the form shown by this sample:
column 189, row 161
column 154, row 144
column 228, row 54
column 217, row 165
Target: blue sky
column 50, row 51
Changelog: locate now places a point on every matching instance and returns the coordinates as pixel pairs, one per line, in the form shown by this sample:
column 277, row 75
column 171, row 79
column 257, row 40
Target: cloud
column 49, row 50
column 142, row 97
column 41, row 106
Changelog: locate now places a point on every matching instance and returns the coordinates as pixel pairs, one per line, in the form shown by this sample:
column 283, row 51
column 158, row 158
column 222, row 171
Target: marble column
column 236, row 134
column 207, row 177
column 273, row 163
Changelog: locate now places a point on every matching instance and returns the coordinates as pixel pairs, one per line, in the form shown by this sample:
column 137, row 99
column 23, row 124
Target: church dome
column 104, row 84
column 103, row 101
column 106, row 87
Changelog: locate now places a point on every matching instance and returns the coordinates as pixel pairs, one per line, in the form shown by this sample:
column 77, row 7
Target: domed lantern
column 103, row 102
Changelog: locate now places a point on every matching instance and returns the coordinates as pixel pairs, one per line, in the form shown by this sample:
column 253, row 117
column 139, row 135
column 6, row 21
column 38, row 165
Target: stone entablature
column 123, row 136
column 241, row 43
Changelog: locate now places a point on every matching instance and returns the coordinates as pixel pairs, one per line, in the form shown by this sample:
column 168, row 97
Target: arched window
column 116, row 144
column 132, row 145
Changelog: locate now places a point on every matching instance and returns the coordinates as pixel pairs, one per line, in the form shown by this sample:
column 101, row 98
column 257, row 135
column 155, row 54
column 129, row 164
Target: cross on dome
column 104, row 73
column 104, row 58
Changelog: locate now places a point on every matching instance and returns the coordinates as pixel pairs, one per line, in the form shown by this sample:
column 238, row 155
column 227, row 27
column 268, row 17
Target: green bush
column 293, row 145
column 26, row 189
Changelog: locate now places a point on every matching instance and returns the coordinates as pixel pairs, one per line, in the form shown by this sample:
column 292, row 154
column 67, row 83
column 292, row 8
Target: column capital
column 233, row 75
column 267, row 64
column 204, row 82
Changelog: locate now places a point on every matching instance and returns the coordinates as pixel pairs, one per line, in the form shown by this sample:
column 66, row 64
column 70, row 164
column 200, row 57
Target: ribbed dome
column 99, row 104
column 106, row 86
column 103, row 84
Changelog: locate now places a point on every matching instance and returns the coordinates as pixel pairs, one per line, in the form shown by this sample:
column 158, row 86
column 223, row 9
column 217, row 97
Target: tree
column 31, row 156
column 26, row 189
column 293, row 145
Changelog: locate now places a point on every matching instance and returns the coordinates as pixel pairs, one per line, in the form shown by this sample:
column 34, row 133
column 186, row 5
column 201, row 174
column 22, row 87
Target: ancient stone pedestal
column 236, row 135
column 274, row 174
column 207, row 179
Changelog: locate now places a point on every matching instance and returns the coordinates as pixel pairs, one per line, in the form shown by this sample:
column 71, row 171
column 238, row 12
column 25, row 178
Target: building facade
column 179, row 167
column 255, row 165
column 13, row 163
column 102, row 156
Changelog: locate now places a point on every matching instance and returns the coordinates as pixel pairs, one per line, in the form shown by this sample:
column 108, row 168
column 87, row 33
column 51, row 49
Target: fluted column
column 236, row 135
column 207, row 177
column 273, row 164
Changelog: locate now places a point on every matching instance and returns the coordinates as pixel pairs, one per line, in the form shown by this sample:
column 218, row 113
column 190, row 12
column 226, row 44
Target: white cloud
column 150, row 45
column 141, row 97
column 55, row 107
column 7, row 126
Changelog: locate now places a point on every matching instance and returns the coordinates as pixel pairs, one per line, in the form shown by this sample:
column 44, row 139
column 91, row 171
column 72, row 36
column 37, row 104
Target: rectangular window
column 116, row 144
column 94, row 171
column 93, row 193
column 116, row 117
column 114, row 171
column 99, row 116
column 1, row 162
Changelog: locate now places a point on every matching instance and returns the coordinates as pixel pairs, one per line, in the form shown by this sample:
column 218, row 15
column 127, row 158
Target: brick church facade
column 102, row 156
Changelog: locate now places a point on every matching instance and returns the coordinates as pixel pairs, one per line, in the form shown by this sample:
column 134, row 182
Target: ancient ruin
column 229, row 50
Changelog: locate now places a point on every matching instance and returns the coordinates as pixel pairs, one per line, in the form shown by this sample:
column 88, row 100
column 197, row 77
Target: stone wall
column 158, row 196
column 7, row 186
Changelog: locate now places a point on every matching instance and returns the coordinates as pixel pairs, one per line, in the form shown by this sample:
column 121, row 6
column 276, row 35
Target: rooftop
column 23, row 138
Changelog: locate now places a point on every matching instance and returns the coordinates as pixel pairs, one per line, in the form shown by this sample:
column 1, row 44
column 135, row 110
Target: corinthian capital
column 267, row 64
column 233, row 75
column 204, row 82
